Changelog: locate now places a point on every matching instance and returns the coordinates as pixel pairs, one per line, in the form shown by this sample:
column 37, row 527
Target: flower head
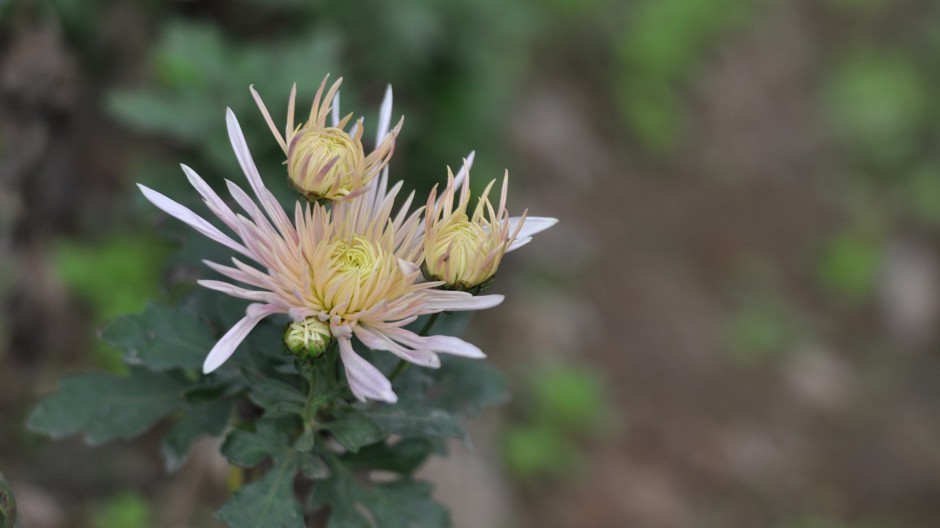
column 352, row 267
column 328, row 162
column 464, row 249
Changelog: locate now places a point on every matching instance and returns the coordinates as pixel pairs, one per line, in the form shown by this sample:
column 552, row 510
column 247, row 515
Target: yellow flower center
column 359, row 274
column 458, row 251
column 360, row 258
column 309, row 158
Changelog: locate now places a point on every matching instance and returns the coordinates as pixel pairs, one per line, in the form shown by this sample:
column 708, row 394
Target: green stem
column 310, row 410
column 427, row 326
column 402, row 364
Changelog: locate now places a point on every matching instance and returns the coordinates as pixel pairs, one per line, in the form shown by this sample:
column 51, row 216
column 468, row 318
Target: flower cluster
column 346, row 263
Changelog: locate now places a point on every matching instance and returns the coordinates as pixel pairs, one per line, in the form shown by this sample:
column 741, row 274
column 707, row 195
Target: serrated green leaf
column 401, row 457
column 208, row 418
column 406, row 504
column 273, row 394
column 107, row 407
column 269, row 502
column 7, row 504
column 410, row 419
column 342, row 493
column 313, row 467
column 354, row 431
column 247, row 449
column 403, row 503
column 161, row 338
column 465, row 386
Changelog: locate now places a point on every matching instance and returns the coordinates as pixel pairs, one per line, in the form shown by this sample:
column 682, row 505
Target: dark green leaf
column 410, row 419
column 406, row 504
column 400, row 504
column 208, row 418
column 273, row 394
column 342, row 493
column 467, row 385
column 269, row 502
column 248, row 449
column 353, row 431
column 402, row 457
column 313, row 467
column 306, row 441
column 106, row 407
column 161, row 338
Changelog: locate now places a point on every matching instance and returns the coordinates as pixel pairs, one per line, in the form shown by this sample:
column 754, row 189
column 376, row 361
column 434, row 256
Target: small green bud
column 308, row 338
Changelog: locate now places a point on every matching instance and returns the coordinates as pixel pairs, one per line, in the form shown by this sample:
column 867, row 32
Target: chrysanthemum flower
column 464, row 250
column 328, row 163
column 352, row 267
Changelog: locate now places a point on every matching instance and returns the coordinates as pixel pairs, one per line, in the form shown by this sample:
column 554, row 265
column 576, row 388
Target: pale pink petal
column 233, row 273
column 453, row 345
column 438, row 343
column 385, row 117
column 268, row 201
column 215, row 203
column 518, row 243
column 454, row 301
column 467, row 165
column 377, row 341
column 235, row 291
column 195, row 221
column 267, row 118
column 334, row 114
column 234, row 337
column 365, row 381
column 532, row 226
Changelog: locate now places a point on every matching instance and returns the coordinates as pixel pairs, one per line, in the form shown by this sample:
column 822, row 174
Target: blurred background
column 735, row 323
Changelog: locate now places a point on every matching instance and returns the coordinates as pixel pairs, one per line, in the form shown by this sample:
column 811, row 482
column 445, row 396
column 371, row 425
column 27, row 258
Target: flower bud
column 464, row 249
column 325, row 164
column 308, row 338
column 462, row 254
column 330, row 163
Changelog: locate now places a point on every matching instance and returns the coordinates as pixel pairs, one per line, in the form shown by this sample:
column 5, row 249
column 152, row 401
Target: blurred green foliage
column 113, row 276
column 125, row 510
column 760, row 330
column 923, row 194
column 661, row 45
column 198, row 71
column 562, row 406
column 7, row 504
column 876, row 101
column 849, row 265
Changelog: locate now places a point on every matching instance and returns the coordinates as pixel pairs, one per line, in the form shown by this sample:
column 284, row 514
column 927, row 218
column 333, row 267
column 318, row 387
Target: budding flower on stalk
column 464, row 250
column 328, row 163
column 308, row 338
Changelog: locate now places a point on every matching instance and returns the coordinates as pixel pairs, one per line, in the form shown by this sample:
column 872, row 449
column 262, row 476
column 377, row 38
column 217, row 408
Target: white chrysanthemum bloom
column 352, row 268
column 328, row 163
column 464, row 249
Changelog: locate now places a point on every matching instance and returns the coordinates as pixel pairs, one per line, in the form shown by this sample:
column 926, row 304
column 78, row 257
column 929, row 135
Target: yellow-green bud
column 462, row 254
column 312, row 169
column 308, row 338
